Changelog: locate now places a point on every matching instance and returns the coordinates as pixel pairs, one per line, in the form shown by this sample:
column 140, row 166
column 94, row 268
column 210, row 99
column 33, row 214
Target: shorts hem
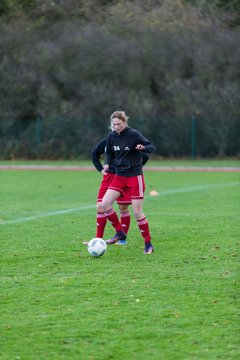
column 124, row 202
column 116, row 189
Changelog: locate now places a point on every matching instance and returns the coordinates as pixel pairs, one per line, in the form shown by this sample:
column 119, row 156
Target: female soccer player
column 124, row 146
column 123, row 202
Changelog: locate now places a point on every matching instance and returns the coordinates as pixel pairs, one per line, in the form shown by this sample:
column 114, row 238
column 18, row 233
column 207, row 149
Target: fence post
column 193, row 137
column 38, row 130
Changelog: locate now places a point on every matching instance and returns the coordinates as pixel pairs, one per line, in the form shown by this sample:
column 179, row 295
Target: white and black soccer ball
column 97, row 247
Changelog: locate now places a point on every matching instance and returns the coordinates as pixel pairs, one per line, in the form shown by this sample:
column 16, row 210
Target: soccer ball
column 97, row 247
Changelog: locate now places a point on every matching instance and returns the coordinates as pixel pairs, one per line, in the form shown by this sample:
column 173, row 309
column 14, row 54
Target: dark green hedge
column 160, row 61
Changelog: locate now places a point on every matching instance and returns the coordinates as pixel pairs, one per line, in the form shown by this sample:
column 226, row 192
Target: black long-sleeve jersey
column 99, row 150
column 96, row 153
column 121, row 147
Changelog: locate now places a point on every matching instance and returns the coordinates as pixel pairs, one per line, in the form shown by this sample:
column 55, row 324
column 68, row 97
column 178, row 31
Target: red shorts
column 134, row 186
column 106, row 181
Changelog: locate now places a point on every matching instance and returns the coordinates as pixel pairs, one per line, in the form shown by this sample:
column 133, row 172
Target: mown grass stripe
column 82, row 208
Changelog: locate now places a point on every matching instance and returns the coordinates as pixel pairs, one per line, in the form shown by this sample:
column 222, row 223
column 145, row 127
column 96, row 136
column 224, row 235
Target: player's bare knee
column 107, row 205
column 123, row 207
column 138, row 215
column 99, row 208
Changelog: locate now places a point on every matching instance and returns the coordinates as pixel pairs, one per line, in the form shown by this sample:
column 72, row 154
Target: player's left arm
column 145, row 158
column 143, row 144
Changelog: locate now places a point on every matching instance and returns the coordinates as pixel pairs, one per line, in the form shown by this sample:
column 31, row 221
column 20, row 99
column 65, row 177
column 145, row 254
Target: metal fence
column 74, row 138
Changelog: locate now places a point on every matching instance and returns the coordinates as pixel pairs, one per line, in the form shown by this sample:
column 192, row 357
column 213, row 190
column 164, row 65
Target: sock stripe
column 125, row 213
column 142, row 221
column 109, row 212
column 101, row 215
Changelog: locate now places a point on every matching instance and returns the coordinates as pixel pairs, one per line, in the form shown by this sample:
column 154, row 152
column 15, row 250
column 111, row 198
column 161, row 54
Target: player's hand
column 140, row 147
column 105, row 167
column 104, row 172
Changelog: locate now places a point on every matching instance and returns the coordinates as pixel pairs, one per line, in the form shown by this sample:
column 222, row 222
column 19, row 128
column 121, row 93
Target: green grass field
column 58, row 302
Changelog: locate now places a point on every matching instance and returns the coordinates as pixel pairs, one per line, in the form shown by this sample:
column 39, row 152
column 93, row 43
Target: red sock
column 113, row 218
column 144, row 228
column 125, row 220
column 101, row 223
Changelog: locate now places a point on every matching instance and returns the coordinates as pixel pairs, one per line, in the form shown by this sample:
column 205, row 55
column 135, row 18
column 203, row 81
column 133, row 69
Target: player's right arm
column 96, row 153
column 109, row 154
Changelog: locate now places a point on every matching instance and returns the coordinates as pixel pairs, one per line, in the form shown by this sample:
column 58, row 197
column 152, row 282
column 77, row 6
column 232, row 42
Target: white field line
column 47, row 214
column 196, row 188
column 82, row 208
column 146, row 168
